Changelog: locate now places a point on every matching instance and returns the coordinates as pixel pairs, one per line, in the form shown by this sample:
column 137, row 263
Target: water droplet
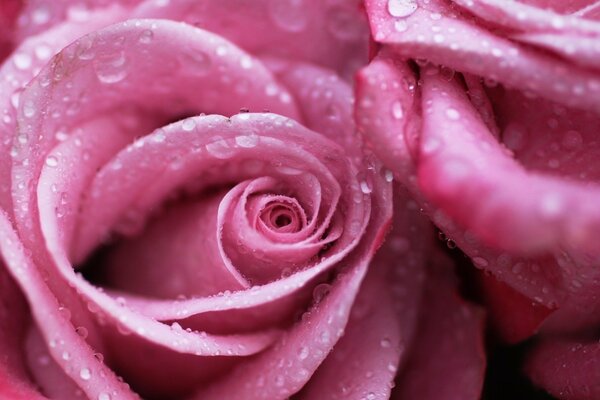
column 402, row 8
column 82, row 331
column 370, row 396
column 28, row 109
column 401, row 25
column 198, row 62
column 188, row 124
column 85, row 374
column 397, row 111
column 247, row 141
column 342, row 22
column 43, row 51
column 431, row 145
column 452, row 114
column 111, row 68
column 40, row 15
column 289, row 15
column 320, row 291
column 51, row 161
column 66, row 356
column 246, row 62
column 365, row 188
column 146, row 36
column 388, row 175
column 104, row 396
column 22, row 60
column 480, row 262
column 303, row 353
column 572, row 140
column 385, row 343
column 219, row 149
column 514, row 137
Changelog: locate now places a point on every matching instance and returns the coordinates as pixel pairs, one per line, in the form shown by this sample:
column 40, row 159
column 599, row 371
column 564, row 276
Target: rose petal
column 456, row 174
column 264, row 378
column 491, row 56
column 383, row 318
column 15, row 73
column 387, row 112
column 56, row 330
column 566, row 368
column 337, row 31
column 185, row 262
column 449, row 365
column 47, row 373
column 14, row 380
column 514, row 316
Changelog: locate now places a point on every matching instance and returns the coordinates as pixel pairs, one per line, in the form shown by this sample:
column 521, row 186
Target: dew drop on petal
column 572, row 140
column 146, row 36
column 397, row 111
column 401, row 8
column 188, row 125
column 111, row 68
column 22, row 60
column 289, row 15
column 85, row 374
column 303, row 352
column 452, row 114
column 51, row 161
column 104, row 396
column 246, row 141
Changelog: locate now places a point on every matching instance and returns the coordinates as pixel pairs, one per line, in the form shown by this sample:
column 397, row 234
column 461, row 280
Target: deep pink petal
column 568, row 369
column 14, row 380
column 447, row 358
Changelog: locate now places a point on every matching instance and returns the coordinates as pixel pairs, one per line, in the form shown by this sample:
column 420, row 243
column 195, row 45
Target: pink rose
column 488, row 111
column 160, row 240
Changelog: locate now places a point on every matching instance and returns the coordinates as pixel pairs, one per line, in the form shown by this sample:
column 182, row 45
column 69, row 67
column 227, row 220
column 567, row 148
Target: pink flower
column 189, row 212
column 488, row 111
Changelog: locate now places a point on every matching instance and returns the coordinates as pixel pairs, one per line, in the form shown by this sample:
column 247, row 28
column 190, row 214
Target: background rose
column 105, row 141
column 493, row 125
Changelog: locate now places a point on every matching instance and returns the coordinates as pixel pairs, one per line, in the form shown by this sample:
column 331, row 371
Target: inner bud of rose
column 282, row 215
column 237, row 222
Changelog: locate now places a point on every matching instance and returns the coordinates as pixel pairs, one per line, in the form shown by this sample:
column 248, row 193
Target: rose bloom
column 190, row 212
column 194, row 206
column 488, row 111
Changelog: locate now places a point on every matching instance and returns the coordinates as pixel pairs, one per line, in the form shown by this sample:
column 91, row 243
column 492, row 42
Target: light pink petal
column 24, row 63
column 337, row 31
column 388, row 113
column 176, row 255
column 301, row 351
column 56, row 330
column 40, row 15
column 567, row 369
column 532, row 17
column 324, row 99
column 384, row 317
column 461, row 164
column 436, row 33
column 447, row 359
column 99, row 72
column 49, row 375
